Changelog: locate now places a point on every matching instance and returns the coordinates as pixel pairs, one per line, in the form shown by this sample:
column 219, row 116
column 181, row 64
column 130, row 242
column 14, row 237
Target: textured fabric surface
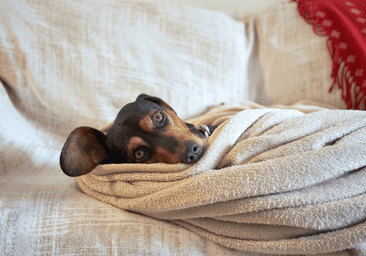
column 294, row 62
column 343, row 22
column 69, row 63
column 271, row 181
column 53, row 51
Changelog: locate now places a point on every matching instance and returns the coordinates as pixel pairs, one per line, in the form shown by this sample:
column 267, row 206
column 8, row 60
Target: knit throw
column 344, row 23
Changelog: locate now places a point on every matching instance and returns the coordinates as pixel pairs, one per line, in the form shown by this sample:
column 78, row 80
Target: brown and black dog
column 145, row 131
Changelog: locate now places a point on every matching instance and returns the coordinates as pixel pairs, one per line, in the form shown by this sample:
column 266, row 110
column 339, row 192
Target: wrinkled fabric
column 272, row 180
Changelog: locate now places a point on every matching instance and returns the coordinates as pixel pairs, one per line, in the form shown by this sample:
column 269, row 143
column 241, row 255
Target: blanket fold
column 272, row 181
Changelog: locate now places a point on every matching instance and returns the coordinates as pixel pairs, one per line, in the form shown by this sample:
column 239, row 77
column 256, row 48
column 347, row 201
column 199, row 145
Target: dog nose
column 192, row 153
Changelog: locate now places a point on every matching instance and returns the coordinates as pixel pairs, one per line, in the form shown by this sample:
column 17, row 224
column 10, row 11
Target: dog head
column 145, row 131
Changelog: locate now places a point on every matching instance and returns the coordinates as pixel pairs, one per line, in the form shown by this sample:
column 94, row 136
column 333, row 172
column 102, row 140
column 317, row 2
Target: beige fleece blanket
column 272, row 181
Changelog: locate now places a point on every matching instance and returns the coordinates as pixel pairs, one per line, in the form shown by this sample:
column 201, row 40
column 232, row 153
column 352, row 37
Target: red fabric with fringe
column 344, row 22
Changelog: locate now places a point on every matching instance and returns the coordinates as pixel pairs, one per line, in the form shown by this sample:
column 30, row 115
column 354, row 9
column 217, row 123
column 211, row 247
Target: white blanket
column 272, row 181
column 65, row 64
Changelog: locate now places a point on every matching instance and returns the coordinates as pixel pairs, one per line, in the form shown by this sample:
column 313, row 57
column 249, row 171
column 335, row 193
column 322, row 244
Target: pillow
column 71, row 63
column 295, row 62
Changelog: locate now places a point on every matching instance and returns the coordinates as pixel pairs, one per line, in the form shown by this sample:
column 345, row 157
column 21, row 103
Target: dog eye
column 139, row 154
column 158, row 117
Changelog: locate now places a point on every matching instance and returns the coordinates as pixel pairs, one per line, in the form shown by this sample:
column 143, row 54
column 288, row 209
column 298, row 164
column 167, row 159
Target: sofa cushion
column 295, row 62
column 81, row 61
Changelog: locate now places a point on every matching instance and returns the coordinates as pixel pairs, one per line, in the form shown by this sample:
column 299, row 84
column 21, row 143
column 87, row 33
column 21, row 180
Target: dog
column 145, row 131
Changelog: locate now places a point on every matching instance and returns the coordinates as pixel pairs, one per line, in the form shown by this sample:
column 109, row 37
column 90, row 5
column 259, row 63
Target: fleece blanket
column 272, row 181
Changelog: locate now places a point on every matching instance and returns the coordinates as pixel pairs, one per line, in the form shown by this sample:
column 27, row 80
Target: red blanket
column 344, row 22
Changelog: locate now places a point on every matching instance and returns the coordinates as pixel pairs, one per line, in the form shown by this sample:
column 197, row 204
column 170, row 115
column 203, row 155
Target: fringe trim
column 353, row 90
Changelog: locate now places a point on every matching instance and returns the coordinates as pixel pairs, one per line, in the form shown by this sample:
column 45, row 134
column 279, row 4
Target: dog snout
column 193, row 152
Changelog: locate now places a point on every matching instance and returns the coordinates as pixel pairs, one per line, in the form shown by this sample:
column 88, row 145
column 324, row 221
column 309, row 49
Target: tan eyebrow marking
column 178, row 128
column 146, row 123
column 135, row 142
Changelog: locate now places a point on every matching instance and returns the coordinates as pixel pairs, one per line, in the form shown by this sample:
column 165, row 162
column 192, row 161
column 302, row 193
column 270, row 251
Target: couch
column 65, row 64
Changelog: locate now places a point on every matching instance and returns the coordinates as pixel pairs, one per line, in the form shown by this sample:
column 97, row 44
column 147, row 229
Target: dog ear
column 84, row 149
column 155, row 100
